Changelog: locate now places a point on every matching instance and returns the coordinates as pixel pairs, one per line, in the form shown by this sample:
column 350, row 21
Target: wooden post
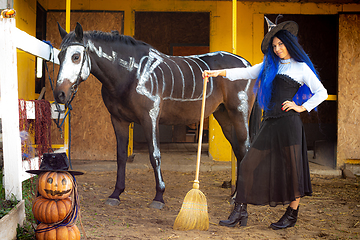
column 10, row 110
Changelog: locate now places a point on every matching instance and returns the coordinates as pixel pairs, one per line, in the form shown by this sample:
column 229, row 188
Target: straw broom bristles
column 194, row 212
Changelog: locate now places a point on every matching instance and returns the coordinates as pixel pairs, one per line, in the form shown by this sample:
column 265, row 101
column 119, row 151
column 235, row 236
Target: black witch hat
column 54, row 162
column 290, row 26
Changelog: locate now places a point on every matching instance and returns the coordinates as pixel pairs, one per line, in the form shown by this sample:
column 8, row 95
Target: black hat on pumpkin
column 290, row 26
column 54, row 162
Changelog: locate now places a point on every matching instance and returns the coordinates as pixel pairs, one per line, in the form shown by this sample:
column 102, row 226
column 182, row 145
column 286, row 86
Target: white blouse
column 298, row 71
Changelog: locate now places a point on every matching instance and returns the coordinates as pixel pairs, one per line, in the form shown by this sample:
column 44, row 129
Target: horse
column 145, row 86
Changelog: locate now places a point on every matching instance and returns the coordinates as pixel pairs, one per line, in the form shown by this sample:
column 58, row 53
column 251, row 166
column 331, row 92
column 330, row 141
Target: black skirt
column 275, row 170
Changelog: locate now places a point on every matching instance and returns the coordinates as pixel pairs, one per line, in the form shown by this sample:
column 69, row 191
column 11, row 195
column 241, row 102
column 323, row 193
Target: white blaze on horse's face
column 75, row 65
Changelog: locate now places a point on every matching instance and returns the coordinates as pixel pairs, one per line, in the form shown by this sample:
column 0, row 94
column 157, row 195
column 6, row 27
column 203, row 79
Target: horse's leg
column 151, row 130
column 121, row 129
column 235, row 130
column 152, row 133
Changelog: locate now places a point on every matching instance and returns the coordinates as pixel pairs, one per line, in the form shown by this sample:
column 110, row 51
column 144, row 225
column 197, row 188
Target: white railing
column 11, row 39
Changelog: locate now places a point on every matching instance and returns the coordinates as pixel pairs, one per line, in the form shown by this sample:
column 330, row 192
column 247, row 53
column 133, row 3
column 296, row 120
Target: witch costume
column 275, row 169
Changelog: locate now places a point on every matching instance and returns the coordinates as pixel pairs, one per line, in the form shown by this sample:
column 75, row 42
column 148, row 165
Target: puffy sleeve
column 243, row 73
column 316, row 87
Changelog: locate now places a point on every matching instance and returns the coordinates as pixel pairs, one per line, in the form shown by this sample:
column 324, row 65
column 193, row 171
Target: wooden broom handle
column 201, row 131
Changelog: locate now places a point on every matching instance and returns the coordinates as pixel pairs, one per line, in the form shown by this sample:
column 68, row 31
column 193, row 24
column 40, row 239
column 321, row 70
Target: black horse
column 142, row 85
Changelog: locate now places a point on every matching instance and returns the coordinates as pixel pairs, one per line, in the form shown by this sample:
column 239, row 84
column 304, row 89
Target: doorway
column 318, row 35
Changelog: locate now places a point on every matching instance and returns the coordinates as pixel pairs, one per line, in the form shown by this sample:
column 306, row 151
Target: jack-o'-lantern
column 63, row 233
column 51, row 210
column 55, row 185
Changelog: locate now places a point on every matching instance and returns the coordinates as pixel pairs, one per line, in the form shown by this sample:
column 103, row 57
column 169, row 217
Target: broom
column 194, row 213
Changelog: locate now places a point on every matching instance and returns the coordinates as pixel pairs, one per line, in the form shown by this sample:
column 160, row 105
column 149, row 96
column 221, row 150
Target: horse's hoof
column 156, row 205
column 112, row 202
column 131, row 158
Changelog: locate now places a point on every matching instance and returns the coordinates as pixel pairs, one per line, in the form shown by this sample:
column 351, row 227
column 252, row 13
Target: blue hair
column 264, row 84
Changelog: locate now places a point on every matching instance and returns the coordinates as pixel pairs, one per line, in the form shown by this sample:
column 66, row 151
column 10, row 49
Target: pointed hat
column 54, row 162
column 290, row 26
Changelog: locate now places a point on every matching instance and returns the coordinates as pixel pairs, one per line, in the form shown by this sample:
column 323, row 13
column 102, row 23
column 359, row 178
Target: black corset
column 284, row 88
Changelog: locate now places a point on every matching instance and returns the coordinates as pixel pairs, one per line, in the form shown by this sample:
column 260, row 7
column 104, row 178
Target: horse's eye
column 76, row 58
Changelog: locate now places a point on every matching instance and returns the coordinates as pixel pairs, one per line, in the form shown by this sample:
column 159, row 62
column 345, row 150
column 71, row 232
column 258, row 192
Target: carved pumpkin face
column 55, row 185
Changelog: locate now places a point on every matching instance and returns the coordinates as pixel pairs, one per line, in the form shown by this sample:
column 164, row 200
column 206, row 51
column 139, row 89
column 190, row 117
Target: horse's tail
column 255, row 119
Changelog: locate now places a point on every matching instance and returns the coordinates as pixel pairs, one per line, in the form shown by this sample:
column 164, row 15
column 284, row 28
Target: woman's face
column 280, row 49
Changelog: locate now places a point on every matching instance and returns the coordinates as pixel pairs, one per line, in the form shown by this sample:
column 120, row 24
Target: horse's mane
column 113, row 36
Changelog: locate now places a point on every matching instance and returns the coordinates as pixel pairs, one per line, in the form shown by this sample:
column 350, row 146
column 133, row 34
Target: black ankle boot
column 288, row 220
column 238, row 215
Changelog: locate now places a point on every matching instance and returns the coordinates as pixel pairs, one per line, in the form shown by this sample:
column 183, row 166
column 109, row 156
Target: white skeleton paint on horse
column 143, row 85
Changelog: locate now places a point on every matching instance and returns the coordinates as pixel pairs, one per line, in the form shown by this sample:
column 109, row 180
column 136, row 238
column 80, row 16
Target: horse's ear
column 63, row 33
column 79, row 32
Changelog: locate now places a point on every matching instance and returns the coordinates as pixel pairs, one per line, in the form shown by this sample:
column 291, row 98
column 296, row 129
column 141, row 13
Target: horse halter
column 74, row 87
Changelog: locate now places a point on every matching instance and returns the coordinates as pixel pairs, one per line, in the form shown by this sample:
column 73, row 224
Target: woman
column 275, row 169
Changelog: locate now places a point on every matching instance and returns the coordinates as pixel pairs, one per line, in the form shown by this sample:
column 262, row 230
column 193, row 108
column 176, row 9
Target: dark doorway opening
column 318, row 34
column 177, row 34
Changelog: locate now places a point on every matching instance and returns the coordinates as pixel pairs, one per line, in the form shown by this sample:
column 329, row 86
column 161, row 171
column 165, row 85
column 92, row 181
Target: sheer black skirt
column 275, row 170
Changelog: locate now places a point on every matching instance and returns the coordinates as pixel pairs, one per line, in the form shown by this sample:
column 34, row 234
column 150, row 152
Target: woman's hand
column 213, row 73
column 291, row 105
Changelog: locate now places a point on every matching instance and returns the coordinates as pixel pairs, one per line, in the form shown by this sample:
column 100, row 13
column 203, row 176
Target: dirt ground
column 333, row 212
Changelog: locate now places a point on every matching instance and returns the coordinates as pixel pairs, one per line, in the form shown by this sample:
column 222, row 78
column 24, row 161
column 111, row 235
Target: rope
column 75, row 212
column 57, row 105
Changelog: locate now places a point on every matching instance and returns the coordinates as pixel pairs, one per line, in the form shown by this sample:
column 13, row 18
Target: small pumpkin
column 51, row 210
column 60, row 233
column 55, row 185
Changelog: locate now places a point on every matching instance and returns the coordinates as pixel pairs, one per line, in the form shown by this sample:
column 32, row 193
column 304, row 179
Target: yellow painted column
column 234, row 25
column 131, row 140
column 68, row 6
column 219, row 147
column 67, row 133
column 234, row 42
column 67, row 121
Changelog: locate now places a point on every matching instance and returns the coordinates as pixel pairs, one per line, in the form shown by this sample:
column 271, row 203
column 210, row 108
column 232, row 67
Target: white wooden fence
column 11, row 39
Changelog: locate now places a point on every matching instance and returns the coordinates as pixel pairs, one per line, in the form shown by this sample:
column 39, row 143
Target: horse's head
column 75, row 64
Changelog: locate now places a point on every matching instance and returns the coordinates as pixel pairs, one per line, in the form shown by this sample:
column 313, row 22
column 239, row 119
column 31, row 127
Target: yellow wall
column 26, row 21
column 249, row 29
column 250, row 20
column 220, row 37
